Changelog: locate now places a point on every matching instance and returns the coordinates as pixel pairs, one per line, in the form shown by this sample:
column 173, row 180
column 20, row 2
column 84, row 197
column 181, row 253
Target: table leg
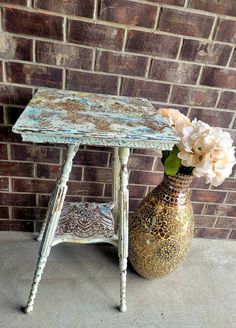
column 53, row 216
column 123, row 224
column 115, row 184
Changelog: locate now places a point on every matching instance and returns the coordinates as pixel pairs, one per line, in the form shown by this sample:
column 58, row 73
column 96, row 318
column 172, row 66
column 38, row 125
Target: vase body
column 161, row 229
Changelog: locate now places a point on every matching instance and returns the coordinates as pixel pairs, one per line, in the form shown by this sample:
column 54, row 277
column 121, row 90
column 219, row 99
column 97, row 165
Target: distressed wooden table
column 76, row 118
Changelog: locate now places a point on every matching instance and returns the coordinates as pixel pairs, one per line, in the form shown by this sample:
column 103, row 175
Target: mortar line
column 64, row 27
column 125, row 40
column 230, row 57
column 157, row 18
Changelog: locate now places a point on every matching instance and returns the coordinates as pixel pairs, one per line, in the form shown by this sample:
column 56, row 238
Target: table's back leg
column 123, row 224
column 115, row 184
column 54, row 213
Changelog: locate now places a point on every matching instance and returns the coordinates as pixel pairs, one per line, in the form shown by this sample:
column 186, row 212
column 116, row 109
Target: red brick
column 1, row 115
column 14, row 199
column 204, row 221
column 128, row 12
column 4, row 183
column 233, row 60
column 3, row 151
column 34, row 75
column 231, row 198
column 137, row 162
column 29, row 23
column 216, row 209
column 97, row 174
column 226, row 31
column 212, row 117
column 12, row 114
column 224, row 7
column 91, row 158
column 35, row 153
column 186, row 23
column 174, row 72
column 217, row 77
column 197, row 208
column 6, row 135
column 152, row 44
column 17, row 2
column 85, row 188
column 12, row 47
column 205, row 52
column 90, row 82
column 29, row 213
column 5, row 225
column 146, row 89
column 148, row 152
column 199, row 183
column 63, row 55
column 135, row 191
column 120, row 63
column 133, row 204
column 16, row 169
column 227, row 100
column 52, row 172
column 15, row 95
column 4, row 212
column 72, row 7
column 22, row 226
column 228, row 184
column 212, row 233
column 229, row 223
column 33, row 185
column 146, row 178
column 95, row 35
column 208, row 196
column 194, row 96
column 233, row 234
column 170, row 2
column 44, row 199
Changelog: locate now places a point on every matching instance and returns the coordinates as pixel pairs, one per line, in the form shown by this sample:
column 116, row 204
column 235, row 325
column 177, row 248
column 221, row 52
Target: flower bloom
column 209, row 150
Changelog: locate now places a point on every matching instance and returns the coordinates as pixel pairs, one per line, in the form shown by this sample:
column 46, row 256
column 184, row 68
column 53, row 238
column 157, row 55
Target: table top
column 58, row 116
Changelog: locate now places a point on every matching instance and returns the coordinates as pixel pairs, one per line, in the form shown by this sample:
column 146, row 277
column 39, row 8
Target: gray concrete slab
column 80, row 288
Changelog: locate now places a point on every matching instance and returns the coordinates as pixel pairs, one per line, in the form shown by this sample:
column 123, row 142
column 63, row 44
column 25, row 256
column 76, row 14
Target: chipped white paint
column 123, row 224
column 115, row 183
column 51, row 224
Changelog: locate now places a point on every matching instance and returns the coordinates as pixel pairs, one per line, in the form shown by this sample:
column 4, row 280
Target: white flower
column 209, row 150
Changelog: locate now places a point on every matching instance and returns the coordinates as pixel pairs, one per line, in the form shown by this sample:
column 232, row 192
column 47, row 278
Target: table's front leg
column 54, row 213
column 115, row 184
column 123, row 224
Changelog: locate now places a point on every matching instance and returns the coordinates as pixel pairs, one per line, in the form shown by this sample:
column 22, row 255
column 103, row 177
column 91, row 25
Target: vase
column 161, row 228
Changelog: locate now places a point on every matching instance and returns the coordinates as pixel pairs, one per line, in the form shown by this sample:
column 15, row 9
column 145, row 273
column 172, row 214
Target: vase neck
column 178, row 182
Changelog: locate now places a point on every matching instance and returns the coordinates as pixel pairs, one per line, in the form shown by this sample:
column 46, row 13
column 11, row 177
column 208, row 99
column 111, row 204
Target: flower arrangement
column 203, row 151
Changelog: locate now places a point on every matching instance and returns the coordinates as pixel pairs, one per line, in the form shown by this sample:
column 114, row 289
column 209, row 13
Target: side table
column 78, row 118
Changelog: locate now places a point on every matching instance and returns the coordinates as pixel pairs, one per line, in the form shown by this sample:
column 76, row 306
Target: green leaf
column 172, row 162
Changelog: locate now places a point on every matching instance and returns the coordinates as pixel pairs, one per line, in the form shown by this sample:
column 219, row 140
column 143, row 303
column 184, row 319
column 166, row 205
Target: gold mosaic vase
column 161, row 228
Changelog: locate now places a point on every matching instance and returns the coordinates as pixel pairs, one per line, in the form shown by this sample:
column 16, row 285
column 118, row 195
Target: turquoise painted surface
column 78, row 115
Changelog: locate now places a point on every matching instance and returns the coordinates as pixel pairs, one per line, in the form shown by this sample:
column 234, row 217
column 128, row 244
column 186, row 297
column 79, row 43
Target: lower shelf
column 86, row 223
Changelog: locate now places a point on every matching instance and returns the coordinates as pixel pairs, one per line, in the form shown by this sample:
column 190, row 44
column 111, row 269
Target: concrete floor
column 80, row 288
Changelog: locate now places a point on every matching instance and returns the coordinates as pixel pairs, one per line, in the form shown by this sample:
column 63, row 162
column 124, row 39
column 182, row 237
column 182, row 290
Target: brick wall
column 177, row 53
